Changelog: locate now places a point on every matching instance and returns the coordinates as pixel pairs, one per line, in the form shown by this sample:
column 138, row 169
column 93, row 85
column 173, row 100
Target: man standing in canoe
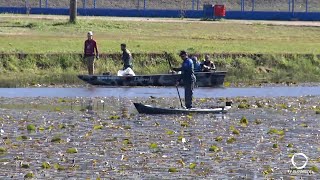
column 188, row 77
column 126, row 57
column 90, row 46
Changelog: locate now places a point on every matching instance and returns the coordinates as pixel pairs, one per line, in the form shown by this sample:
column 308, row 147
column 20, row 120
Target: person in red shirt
column 90, row 52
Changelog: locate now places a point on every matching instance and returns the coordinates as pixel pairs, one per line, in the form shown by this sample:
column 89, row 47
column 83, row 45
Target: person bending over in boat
column 90, row 46
column 196, row 64
column 207, row 65
column 188, row 77
column 126, row 57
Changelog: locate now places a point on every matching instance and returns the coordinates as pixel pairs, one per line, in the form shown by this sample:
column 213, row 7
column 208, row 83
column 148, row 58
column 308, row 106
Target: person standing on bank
column 188, row 77
column 126, row 57
column 90, row 52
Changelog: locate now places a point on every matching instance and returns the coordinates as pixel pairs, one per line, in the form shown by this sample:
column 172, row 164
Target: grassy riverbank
column 52, row 34
column 63, row 69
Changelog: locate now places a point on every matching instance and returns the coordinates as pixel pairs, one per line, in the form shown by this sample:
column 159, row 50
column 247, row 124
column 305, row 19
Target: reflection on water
column 158, row 92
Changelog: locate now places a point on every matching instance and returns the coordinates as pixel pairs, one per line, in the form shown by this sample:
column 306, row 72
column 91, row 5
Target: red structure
column 219, row 10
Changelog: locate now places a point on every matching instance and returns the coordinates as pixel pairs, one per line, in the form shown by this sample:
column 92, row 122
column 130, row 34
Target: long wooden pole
column 73, row 11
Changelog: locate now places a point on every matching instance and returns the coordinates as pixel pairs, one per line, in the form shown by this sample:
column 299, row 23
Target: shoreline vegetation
column 248, row 70
column 47, row 50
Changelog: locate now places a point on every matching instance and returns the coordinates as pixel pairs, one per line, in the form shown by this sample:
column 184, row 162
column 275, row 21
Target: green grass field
column 53, row 34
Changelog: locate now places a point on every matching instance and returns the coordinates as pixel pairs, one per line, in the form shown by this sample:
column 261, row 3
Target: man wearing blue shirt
column 196, row 64
column 188, row 77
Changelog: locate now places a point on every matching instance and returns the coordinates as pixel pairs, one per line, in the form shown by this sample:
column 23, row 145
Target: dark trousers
column 127, row 66
column 188, row 94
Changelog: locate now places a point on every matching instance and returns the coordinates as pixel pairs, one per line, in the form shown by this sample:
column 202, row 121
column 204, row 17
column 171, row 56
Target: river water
column 159, row 92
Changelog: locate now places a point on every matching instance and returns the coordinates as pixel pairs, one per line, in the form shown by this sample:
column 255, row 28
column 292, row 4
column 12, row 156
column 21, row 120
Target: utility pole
column 73, row 11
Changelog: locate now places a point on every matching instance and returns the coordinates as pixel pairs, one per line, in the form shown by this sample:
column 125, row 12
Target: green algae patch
column 46, row 165
column 314, row 169
column 214, row 148
column 173, row 170
column 169, row 132
column 218, row 139
column 244, row 121
column 153, row 146
column 31, row 127
column 97, row 127
column 29, row 175
column 2, row 150
column 231, row 140
column 56, row 139
column 275, row 146
column 276, row 131
column 192, row 165
column 72, row 150
column 26, row 166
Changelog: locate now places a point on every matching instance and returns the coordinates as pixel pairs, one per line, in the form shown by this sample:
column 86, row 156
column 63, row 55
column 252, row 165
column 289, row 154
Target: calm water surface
column 159, row 92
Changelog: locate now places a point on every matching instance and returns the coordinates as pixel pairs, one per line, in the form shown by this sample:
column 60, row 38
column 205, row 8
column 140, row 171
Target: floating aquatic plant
column 244, row 121
column 276, row 131
column 72, row 150
column 218, row 139
column 23, row 137
column 46, row 165
column 25, row 165
column 258, row 121
column 275, row 146
column 31, row 127
column 236, row 132
column 114, row 117
column 314, row 169
column 127, row 127
column 56, row 139
column 267, row 170
column 214, row 148
column 173, row 170
column 184, row 124
column 169, row 132
column 2, row 150
column 231, row 140
column 29, row 175
column 62, row 126
column 127, row 142
column 243, row 106
column 192, row 165
column 318, row 111
column 96, row 127
column 58, row 167
column 290, row 145
column 303, row 125
column 153, row 146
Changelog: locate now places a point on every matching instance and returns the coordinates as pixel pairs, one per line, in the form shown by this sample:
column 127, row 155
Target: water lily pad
column 173, row 170
column 29, row 175
column 218, row 139
column 56, row 139
column 72, row 150
column 314, row 169
column 96, row 127
column 153, row 146
column 275, row 146
column 192, row 166
column 2, row 150
column 214, row 148
column 169, row 132
column 46, row 165
column 31, row 127
column 25, row 165
column 231, row 140
column 244, row 121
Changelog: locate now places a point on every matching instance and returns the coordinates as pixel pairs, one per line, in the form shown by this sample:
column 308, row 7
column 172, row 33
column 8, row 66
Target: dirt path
column 170, row 20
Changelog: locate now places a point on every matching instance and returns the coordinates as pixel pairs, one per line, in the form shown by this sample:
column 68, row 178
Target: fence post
column 292, row 6
column 138, row 4
column 198, row 4
column 73, row 11
column 84, row 3
column 306, row 5
column 144, row 4
column 94, row 3
column 192, row 4
column 289, row 4
column 46, row 3
column 252, row 5
column 40, row 3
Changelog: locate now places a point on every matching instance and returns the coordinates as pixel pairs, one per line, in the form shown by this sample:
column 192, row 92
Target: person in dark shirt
column 196, row 64
column 188, row 77
column 207, row 65
column 126, row 57
column 90, row 51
